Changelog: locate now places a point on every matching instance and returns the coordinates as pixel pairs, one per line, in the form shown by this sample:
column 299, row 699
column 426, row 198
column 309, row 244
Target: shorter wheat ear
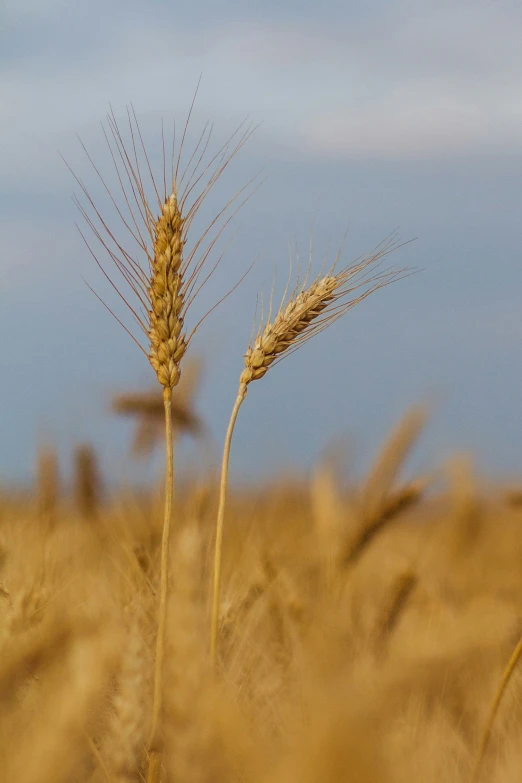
column 309, row 309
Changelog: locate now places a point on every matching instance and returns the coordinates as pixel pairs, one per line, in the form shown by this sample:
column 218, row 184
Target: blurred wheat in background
column 364, row 631
column 354, row 631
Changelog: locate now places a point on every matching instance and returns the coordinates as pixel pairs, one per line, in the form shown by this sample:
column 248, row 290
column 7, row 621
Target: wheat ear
column 309, row 309
column 163, row 291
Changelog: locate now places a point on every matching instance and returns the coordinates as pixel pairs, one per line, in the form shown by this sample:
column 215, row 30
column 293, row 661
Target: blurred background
column 373, row 116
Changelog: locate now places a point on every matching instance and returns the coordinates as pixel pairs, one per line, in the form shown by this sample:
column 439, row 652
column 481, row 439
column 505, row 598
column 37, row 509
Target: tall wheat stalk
column 309, row 309
column 164, row 289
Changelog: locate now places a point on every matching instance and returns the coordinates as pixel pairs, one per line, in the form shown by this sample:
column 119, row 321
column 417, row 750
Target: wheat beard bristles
column 287, row 325
column 167, row 343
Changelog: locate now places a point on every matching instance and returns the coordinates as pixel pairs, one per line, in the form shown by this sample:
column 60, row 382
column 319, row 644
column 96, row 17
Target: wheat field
column 364, row 630
column 301, row 631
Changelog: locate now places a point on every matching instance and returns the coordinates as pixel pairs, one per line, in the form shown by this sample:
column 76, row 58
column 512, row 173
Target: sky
column 371, row 117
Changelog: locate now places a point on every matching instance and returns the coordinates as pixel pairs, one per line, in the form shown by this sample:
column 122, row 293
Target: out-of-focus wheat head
column 87, row 480
column 148, row 410
column 399, row 675
column 379, row 501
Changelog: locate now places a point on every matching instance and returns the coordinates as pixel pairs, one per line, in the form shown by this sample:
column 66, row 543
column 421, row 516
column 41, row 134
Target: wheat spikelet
column 167, row 342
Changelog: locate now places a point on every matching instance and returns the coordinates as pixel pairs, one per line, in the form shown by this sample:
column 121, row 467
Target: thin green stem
column 156, row 740
column 216, row 588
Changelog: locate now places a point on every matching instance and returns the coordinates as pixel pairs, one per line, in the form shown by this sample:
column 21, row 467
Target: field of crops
column 364, row 631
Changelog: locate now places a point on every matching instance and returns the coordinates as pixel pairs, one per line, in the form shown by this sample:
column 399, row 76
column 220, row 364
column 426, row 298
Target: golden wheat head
column 312, row 307
column 156, row 214
column 167, row 341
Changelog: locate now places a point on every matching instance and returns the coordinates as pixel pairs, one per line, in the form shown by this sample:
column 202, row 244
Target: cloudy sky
column 373, row 116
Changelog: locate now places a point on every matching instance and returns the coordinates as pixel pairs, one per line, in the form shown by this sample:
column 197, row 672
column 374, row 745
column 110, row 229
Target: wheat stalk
column 309, row 309
column 164, row 289
column 87, row 480
column 187, row 727
column 493, row 710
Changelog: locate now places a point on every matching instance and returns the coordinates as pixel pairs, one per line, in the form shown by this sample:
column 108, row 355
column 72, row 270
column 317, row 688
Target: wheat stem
column 506, row 676
column 96, row 754
column 154, row 772
column 155, row 734
column 214, row 628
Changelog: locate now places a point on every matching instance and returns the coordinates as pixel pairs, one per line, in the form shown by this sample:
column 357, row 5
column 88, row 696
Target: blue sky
column 374, row 115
